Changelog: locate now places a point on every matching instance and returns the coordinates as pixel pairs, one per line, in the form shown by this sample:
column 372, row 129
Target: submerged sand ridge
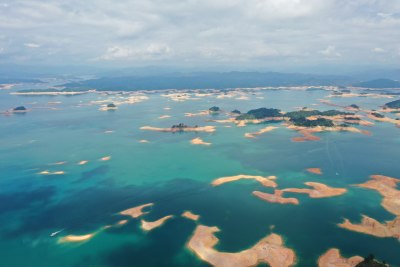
column 269, row 250
column 332, row 258
column 265, row 181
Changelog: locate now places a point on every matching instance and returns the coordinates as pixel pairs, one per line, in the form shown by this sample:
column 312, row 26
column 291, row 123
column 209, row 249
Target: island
column 269, row 250
column 276, row 197
column 214, row 110
column 265, row 181
column 315, row 171
column 332, row 258
column 261, row 114
column 319, row 190
column 137, row 211
column 148, row 226
column 199, row 141
column 191, row 216
column 394, row 104
column 181, row 127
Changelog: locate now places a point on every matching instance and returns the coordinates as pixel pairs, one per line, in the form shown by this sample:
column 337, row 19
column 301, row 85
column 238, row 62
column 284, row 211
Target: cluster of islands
column 271, row 249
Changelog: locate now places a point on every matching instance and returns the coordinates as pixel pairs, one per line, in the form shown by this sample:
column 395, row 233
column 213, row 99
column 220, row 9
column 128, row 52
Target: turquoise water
column 176, row 176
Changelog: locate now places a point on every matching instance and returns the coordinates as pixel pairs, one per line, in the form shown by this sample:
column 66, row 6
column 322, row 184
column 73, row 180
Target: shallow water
column 176, row 176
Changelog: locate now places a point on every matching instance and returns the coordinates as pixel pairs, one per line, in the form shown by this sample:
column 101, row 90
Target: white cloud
column 378, row 50
column 330, row 51
column 151, row 51
column 32, row 45
column 247, row 32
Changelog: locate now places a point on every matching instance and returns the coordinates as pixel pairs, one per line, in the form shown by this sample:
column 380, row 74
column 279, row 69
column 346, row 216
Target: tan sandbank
column 105, row 158
column 371, row 226
column 46, row 172
column 144, row 141
column 201, row 113
column 191, row 216
column 137, row 211
column 265, row 181
column 164, row 117
column 83, row 162
column 315, row 170
column 308, row 132
column 261, row 131
column 332, row 258
column 207, row 129
column 269, row 250
column 276, row 197
column 148, row 226
column 319, row 190
column 76, row 238
column 199, row 141
column 386, row 186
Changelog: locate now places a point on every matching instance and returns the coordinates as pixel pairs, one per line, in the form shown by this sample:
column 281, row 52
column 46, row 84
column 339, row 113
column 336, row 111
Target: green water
column 176, row 176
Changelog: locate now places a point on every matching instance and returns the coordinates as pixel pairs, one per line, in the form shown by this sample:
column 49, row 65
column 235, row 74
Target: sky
column 271, row 34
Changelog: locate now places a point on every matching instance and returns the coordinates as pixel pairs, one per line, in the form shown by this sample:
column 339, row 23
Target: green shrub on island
column 20, row 108
column 214, row 109
column 235, row 111
column 354, row 106
column 312, row 123
column 293, row 115
column 260, row 113
column 111, row 105
column 393, row 104
column 370, row 261
column 378, row 115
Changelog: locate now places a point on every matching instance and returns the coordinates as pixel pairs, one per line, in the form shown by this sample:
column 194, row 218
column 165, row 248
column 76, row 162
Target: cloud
column 32, row 45
column 330, row 51
column 378, row 50
column 256, row 33
column 151, row 51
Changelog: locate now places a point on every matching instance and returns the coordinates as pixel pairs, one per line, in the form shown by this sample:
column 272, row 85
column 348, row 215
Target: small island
column 214, row 110
column 394, row 104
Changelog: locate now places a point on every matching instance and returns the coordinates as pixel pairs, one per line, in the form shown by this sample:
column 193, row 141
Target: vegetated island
column 181, row 127
column 269, row 250
column 394, row 104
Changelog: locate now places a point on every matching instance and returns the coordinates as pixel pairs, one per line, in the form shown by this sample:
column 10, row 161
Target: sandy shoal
column 199, row 141
column 332, row 258
column 137, row 211
column 319, row 190
column 148, row 226
column 265, row 181
column 269, row 250
column 191, row 216
column 276, row 197
column 314, row 170
column 261, row 131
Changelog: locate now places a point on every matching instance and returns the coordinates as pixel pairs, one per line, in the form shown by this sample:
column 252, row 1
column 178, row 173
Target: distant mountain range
column 379, row 83
column 204, row 80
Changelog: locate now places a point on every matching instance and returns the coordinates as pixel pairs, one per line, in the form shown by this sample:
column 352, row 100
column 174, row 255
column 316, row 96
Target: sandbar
column 76, row 238
column 164, row 117
column 386, row 186
column 314, row 170
column 144, row 141
column 332, row 258
column 371, row 226
column 83, row 162
column 137, row 211
column 276, row 197
column 207, row 129
column 199, row 141
column 261, row 131
column 105, row 158
column 319, row 190
column 269, row 250
column 148, row 226
column 191, row 216
column 265, row 181
column 46, row 172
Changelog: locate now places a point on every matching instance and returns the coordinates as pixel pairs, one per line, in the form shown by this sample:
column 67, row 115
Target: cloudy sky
column 243, row 33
